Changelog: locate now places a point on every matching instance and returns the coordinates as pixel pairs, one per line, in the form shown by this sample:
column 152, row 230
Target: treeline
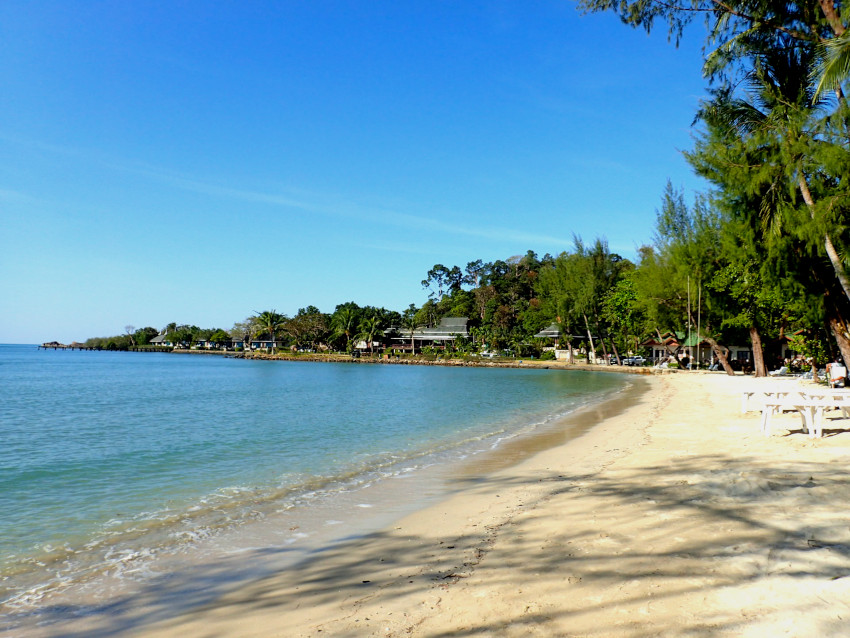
column 696, row 273
column 131, row 338
column 709, row 267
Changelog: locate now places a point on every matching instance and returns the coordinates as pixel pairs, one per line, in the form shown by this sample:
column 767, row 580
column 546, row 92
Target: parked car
column 634, row 361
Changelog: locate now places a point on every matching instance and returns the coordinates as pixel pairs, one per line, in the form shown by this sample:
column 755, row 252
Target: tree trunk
column 572, row 354
column 760, row 370
column 661, row 341
column 837, row 266
column 616, row 354
column 836, row 310
column 834, row 258
column 842, row 337
column 604, row 350
column 721, row 355
column 832, row 16
column 589, row 336
column 613, row 346
column 602, row 341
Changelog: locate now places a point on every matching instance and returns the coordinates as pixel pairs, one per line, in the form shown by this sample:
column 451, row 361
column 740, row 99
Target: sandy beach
column 673, row 516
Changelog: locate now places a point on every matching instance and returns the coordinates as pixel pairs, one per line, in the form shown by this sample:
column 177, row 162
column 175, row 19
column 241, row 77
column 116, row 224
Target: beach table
column 811, row 403
column 840, row 398
column 770, row 392
column 811, row 412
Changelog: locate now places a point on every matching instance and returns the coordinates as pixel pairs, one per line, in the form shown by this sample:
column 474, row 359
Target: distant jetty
column 76, row 345
column 55, row 345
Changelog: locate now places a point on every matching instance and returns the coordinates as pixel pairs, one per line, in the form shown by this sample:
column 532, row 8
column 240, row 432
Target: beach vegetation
column 772, row 141
column 271, row 322
column 371, row 328
column 346, row 323
column 219, row 337
column 309, row 328
column 143, row 336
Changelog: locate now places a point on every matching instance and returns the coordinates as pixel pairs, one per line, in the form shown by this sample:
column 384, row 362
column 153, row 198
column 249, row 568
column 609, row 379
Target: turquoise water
column 109, row 454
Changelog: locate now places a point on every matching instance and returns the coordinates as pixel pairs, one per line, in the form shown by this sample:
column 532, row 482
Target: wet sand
column 672, row 516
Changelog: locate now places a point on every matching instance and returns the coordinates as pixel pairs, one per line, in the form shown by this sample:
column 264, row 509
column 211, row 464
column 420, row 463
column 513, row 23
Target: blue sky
column 197, row 162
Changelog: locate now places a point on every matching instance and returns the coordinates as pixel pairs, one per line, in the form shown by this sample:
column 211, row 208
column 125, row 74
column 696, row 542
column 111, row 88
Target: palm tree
column 834, row 65
column 345, row 323
column 779, row 123
column 371, row 328
column 271, row 322
column 410, row 323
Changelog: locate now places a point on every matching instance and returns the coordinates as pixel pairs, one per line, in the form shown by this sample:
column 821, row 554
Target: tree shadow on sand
column 700, row 524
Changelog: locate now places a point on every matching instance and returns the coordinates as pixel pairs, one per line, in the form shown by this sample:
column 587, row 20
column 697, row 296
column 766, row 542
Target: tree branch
column 797, row 35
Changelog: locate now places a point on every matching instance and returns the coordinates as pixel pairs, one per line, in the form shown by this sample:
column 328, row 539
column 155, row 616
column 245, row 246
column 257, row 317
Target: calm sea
column 108, row 460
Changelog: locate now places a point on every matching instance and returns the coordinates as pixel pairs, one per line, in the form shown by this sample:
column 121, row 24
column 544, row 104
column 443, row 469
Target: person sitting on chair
column 837, row 374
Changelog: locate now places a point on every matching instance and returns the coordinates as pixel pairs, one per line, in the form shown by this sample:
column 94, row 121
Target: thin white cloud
column 306, row 201
column 319, row 204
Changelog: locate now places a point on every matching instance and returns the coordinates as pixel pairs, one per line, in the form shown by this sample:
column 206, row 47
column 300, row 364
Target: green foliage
column 623, row 312
column 810, row 347
column 371, row 328
column 309, row 328
column 574, row 289
column 346, row 323
column 183, row 335
column 219, row 337
column 143, row 336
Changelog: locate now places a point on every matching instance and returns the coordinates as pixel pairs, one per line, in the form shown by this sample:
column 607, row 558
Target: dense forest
column 758, row 258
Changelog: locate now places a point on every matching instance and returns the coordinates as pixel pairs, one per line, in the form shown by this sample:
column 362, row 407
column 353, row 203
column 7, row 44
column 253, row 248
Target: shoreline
column 426, row 361
column 423, row 360
column 62, row 614
column 461, row 482
column 676, row 517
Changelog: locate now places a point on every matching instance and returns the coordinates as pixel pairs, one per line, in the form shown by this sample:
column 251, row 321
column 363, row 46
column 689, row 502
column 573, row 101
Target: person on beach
column 836, row 374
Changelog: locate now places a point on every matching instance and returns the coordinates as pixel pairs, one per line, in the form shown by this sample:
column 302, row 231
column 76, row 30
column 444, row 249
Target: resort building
column 162, row 340
column 553, row 334
column 449, row 329
column 264, row 341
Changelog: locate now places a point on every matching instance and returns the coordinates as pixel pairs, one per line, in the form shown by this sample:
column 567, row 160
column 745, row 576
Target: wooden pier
column 55, row 345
